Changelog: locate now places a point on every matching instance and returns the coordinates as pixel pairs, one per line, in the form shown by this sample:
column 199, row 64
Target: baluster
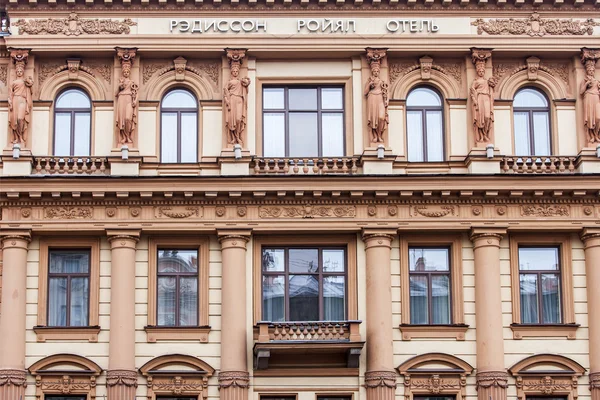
column 305, row 166
column 516, row 165
column 505, row 165
column 295, row 332
column 102, row 166
column 345, row 165
column 553, row 161
column 327, row 331
column 47, row 166
column 276, row 333
column 335, row 166
column 561, row 165
column 354, row 166
column 276, row 167
column 320, row 331
column 544, row 166
column 257, row 166
column 94, row 167
column 84, row 165
column 296, row 168
column 312, row 331
column 315, row 167
column 286, row 166
column 325, row 168
column 342, row 331
column 38, row 166
column 57, row 165
column 571, row 164
column 534, row 166
column 304, row 332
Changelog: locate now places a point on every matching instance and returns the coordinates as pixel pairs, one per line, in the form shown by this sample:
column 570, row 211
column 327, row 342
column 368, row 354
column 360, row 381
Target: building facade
column 300, row 199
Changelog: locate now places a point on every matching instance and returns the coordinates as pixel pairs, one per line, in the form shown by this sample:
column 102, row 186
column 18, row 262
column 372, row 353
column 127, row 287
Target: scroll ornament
column 235, row 97
column 590, row 92
column 126, row 120
column 74, row 26
column 376, row 92
column 20, row 100
column 482, row 97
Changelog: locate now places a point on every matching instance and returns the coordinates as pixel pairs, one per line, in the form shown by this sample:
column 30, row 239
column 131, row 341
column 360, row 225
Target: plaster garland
column 240, row 379
column 535, row 25
column 492, row 379
column 15, row 377
column 375, row 379
column 121, row 377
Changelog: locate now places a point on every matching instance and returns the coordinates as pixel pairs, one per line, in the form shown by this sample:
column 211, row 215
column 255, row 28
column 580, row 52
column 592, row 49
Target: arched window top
column 179, row 99
column 73, row 98
column 530, row 98
column 423, row 97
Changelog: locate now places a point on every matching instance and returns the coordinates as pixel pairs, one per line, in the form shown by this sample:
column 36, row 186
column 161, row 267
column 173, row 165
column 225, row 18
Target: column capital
column 595, row 381
column 378, row 237
column 590, row 237
column 488, row 379
column 487, row 236
column 119, row 238
column 122, row 377
column 15, row 377
column 234, row 238
column 15, row 238
column 374, row 379
column 240, row 379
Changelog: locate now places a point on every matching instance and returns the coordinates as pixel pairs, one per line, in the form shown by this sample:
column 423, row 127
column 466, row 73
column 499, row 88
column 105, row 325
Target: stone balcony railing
column 538, row 164
column 308, row 330
column 305, row 166
column 84, row 165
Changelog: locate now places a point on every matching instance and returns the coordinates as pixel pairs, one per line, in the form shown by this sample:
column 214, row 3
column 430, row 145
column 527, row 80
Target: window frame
column 457, row 328
column 72, row 112
column 200, row 332
column 568, row 326
column 308, row 241
column 319, row 111
column 423, row 110
column 179, row 112
column 89, row 332
column 530, row 111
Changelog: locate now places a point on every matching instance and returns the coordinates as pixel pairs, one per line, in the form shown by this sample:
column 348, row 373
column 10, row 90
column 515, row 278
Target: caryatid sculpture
column 590, row 91
column 19, row 99
column 235, row 97
column 126, row 116
column 376, row 91
column 482, row 97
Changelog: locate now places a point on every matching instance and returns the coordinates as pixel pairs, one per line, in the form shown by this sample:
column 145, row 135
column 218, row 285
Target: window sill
column 196, row 333
column 89, row 333
column 544, row 330
column 434, row 331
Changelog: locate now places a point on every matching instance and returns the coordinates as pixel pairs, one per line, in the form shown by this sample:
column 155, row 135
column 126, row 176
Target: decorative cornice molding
column 121, row 377
column 307, row 211
column 535, row 25
column 240, row 379
column 492, row 378
column 15, row 377
column 376, row 379
column 73, row 25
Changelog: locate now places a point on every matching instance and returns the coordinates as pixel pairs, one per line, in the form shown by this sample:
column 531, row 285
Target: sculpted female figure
column 482, row 96
column 235, row 95
column 376, row 91
column 590, row 90
column 126, row 104
column 19, row 105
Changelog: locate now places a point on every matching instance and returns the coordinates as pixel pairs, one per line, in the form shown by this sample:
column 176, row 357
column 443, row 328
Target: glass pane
column 302, row 99
column 333, row 134
column 69, row 261
column 304, row 298
column 57, row 302
column 179, row 99
column 62, row 134
column 522, row 143
column 168, row 138
column 189, row 137
column 440, row 299
column 423, row 97
column 273, row 260
column 538, row 258
column 419, row 307
column 166, row 300
column 428, row 259
column 68, row 397
column 414, row 125
column 334, row 260
column 177, row 260
column 304, row 261
column 188, row 301
column 80, row 294
column 541, row 134
column 273, row 98
column 334, row 298
column 274, row 135
column 273, row 298
column 551, row 308
column 332, row 99
column 303, row 135
column 528, row 98
column 82, row 134
column 73, row 98
column 435, row 136
column 529, row 299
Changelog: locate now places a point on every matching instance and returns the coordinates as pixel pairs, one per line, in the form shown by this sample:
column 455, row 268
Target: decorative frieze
column 545, row 210
column 432, row 211
column 121, row 377
column 3, row 73
column 435, row 384
column 492, row 379
column 376, row 379
column 65, row 384
column 68, row 212
column 307, row 211
column 73, row 25
column 535, row 25
column 178, row 212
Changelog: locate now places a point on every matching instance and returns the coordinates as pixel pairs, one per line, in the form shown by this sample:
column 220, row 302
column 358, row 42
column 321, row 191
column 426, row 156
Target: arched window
column 425, row 125
column 179, row 127
column 72, row 123
column 532, row 123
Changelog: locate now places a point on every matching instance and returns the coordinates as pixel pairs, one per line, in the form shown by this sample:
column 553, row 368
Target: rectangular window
column 430, row 285
column 65, row 397
column 304, row 284
column 334, row 397
column 303, row 121
column 177, row 291
column 434, row 397
column 68, row 287
column 539, row 285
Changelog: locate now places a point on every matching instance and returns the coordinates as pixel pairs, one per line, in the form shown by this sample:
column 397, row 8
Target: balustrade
column 71, row 165
column 308, row 331
column 538, row 165
column 305, row 166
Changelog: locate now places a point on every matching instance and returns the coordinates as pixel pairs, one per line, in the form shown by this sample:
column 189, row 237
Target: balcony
column 331, row 347
column 538, row 165
column 84, row 165
column 305, row 166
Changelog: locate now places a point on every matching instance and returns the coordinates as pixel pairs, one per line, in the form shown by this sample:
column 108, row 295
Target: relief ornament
column 20, row 99
column 590, row 91
column 235, row 97
column 482, row 97
column 126, row 119
column 376, row 91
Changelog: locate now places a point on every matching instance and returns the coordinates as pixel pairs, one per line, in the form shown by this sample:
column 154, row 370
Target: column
column 234, row 378
column 121, row 377
column 492, row 378
column 591, row 243
column 380, row 377
column 13, row 375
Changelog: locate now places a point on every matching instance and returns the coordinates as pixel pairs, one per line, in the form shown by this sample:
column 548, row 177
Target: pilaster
column 591, row 243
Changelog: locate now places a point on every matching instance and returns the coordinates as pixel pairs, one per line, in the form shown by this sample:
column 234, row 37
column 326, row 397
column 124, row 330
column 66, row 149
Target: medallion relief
column 73, row 25
column 535, row 25
column 307, row 211
column 432, row 211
